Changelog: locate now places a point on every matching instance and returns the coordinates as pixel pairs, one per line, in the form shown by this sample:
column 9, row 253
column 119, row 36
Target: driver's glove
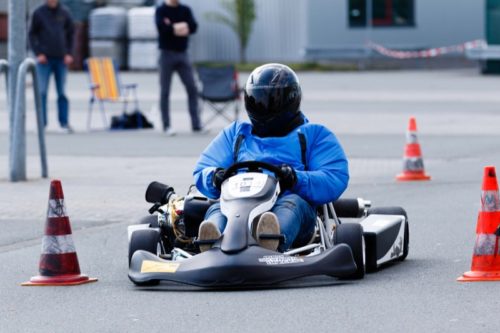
column 218, row 177
column 289, row 177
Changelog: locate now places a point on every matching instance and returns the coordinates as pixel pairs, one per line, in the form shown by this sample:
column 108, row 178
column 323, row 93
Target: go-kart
column 165, row 247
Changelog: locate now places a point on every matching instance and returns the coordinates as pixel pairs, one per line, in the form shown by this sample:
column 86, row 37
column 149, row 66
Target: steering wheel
column 253, row 166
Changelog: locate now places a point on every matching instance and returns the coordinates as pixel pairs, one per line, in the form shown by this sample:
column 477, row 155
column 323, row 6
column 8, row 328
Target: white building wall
column 437, row 23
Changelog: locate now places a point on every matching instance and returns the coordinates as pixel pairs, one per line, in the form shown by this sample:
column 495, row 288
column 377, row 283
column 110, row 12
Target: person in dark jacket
column 175, row 22
column 51, row 39
column 311, row 159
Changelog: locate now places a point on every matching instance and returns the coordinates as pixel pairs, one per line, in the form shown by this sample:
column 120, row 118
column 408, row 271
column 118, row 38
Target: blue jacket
column 324, row 181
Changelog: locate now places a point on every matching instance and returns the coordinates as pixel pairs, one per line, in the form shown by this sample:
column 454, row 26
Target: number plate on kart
column 149, row 266
column 247, row 184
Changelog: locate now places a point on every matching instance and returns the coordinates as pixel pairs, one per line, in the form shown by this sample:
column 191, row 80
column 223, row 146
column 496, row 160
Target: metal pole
column 4, row 68
column 368, row 31
column 18, row 161
column 17, row 53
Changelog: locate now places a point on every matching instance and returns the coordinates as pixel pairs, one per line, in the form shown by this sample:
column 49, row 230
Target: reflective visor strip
column 56, row 208
column 57, row 244
column 490, row 201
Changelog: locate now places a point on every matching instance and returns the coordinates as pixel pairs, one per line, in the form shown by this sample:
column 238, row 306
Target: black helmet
column 272, row 100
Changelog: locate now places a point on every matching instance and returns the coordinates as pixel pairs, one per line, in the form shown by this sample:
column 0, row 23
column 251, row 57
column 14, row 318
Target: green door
column 492, row 33
column 493, row 21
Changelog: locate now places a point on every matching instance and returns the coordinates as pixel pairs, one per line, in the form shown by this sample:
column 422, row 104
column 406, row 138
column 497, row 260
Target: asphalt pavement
column 104, row 175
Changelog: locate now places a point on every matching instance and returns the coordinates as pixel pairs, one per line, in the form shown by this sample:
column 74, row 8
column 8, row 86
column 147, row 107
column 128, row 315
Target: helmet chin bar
column 278, row 126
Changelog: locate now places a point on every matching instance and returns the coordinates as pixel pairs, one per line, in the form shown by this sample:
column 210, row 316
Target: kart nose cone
column 253, row 266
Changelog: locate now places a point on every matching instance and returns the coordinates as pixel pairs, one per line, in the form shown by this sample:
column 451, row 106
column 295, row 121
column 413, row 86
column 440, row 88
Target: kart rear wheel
column 395, row 211
column 147, row 240
column 352, row 235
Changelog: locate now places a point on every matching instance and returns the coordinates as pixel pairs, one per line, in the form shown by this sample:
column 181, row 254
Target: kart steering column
column 236, row 235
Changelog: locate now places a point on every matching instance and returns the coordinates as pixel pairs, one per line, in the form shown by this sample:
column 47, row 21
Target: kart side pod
column 386, row 239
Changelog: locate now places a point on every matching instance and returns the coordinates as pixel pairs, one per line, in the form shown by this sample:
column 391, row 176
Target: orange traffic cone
column 486, row 256
column 58, row 262
column 413, row 163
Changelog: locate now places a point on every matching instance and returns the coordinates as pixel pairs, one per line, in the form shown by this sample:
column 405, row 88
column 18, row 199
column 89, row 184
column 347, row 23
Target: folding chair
column 105, row 86
column 220, row 90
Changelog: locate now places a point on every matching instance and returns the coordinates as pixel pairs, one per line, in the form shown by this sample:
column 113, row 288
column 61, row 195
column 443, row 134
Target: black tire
column 146, row 239
column 396, row 211
column 348, row 208
column 391, row 210
column 352, row 235
column 152, row 220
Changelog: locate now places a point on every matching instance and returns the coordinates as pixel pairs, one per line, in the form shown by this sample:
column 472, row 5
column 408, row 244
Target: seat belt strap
column 237, row 145
column 303, row 149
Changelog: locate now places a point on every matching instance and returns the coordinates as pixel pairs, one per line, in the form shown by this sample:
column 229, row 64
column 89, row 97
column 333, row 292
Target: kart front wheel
column 352, row 235
column 147, row 240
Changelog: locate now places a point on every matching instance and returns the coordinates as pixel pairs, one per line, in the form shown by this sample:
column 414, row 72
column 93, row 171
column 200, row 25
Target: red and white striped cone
column 413, row 162
column 58, row 261
column 486, row 256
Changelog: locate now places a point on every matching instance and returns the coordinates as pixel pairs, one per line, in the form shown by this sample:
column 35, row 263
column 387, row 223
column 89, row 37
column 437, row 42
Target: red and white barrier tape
column 429, row 53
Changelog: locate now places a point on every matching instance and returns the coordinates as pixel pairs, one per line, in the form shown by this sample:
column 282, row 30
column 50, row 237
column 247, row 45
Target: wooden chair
column 105, row 86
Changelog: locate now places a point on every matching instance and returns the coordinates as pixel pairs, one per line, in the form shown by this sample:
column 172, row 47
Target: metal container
column 108, row 23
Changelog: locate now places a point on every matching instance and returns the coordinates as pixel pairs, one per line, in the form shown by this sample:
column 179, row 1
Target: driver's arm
column 218, row 154
column 328, row 172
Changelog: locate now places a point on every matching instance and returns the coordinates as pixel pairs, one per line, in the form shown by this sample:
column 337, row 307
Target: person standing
column 51, row 39
column 175, row 22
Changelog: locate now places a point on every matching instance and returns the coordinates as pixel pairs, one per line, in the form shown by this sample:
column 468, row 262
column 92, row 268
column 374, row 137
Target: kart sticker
column 280, row 260
column 245, row 185
column 149, row 266
column 397, row 249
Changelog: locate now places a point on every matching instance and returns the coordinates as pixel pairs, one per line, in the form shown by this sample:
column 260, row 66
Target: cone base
column 61, row 280
column 410, row 176
column 476, row 276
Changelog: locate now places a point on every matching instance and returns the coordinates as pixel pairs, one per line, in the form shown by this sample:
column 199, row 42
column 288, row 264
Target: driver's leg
column 296, row 217
column 212, row 227
column 215, row 216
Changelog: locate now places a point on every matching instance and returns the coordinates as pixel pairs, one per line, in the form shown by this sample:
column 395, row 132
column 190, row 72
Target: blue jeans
column 54, row 65
column 296, row 217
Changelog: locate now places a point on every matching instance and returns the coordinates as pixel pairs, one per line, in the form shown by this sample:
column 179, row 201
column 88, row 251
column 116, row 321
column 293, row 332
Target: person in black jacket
column 175, row 22
column 51, row 39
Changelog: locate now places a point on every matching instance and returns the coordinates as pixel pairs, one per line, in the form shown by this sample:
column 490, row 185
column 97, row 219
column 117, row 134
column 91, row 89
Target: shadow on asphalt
column 307, row 282
column 301, row 283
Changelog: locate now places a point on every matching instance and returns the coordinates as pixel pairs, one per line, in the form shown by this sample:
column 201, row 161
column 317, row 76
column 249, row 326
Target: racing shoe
column 268, row 224
column 208, row 231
